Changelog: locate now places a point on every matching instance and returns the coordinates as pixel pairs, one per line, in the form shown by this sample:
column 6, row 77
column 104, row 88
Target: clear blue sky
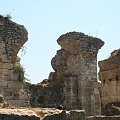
column 46, row 20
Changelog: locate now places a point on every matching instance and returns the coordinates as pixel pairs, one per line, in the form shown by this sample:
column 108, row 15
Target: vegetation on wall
column 20, row 71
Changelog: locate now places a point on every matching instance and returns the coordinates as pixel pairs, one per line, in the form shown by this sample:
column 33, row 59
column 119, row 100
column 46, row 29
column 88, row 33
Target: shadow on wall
column 112, row 109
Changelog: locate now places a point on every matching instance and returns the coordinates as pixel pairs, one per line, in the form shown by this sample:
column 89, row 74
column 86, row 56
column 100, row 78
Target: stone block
column 14, row 84
column 103, row 118
column 77, row 115
column 15, row 114
column 18, row 102
column 23, row 95
column 8, row 66
column 60, row 116
column 3, row 83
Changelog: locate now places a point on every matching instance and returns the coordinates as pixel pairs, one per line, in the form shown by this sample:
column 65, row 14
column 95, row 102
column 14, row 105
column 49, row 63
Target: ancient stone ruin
column 12, row 38
column 74, row 83
column 18, row 114
column 109, row 75
column 72, row 87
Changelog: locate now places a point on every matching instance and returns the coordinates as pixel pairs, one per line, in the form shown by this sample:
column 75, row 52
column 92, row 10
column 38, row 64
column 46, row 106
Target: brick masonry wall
column 12, row 38
column 74, row 82
column 109, row 75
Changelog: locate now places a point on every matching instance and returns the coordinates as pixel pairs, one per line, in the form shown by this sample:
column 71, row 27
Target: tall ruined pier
column 12, row 38
column 74, row 83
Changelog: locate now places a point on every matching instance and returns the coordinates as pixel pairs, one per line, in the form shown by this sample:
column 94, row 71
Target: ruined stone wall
column 103, row 118
column 81, row 66
column 49, row 114
column 74, row 82
column 12, row 38
column 18, row 114
column 46, row 94
column 109, row 75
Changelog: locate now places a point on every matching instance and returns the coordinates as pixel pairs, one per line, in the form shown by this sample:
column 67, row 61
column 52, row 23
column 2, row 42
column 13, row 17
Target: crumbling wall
column 12, row 38
column 109, row 76
column 18, row 114
column 80, row 71
column 49, row 93
column 67, row 115
column 103, row 118
column 74, row 82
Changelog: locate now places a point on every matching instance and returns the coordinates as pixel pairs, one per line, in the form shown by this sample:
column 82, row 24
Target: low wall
column 104, row 118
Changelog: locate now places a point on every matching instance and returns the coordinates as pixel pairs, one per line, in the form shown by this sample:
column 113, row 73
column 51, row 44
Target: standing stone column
column 78, row 59
column 12, row 38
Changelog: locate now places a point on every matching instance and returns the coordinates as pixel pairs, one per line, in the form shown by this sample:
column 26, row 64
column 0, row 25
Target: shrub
column 20, row 71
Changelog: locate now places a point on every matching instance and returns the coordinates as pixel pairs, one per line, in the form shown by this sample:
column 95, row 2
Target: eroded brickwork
column 12, row 38
column 109, row 75
column 74, row 82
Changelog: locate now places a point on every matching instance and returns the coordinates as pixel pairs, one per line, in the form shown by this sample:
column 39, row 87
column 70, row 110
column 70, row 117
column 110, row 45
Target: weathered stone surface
column 49, row 114
column 12, row 38
column 104, row 118
column 43, row 112
column 109, row 75
column 67, row 115
column 77, row 115
column 60, row 116
column 46, row 95
column 74, row 82
column 17, row 114
column 1, row 99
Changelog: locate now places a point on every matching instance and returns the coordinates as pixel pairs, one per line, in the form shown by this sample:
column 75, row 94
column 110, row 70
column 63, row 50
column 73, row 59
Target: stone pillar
column 75, row 76
column 12, row 38
column 78, row 57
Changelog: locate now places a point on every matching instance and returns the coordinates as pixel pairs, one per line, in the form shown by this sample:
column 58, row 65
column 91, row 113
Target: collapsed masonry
column 74, row 83
column 12, row 38
column 109, row 76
